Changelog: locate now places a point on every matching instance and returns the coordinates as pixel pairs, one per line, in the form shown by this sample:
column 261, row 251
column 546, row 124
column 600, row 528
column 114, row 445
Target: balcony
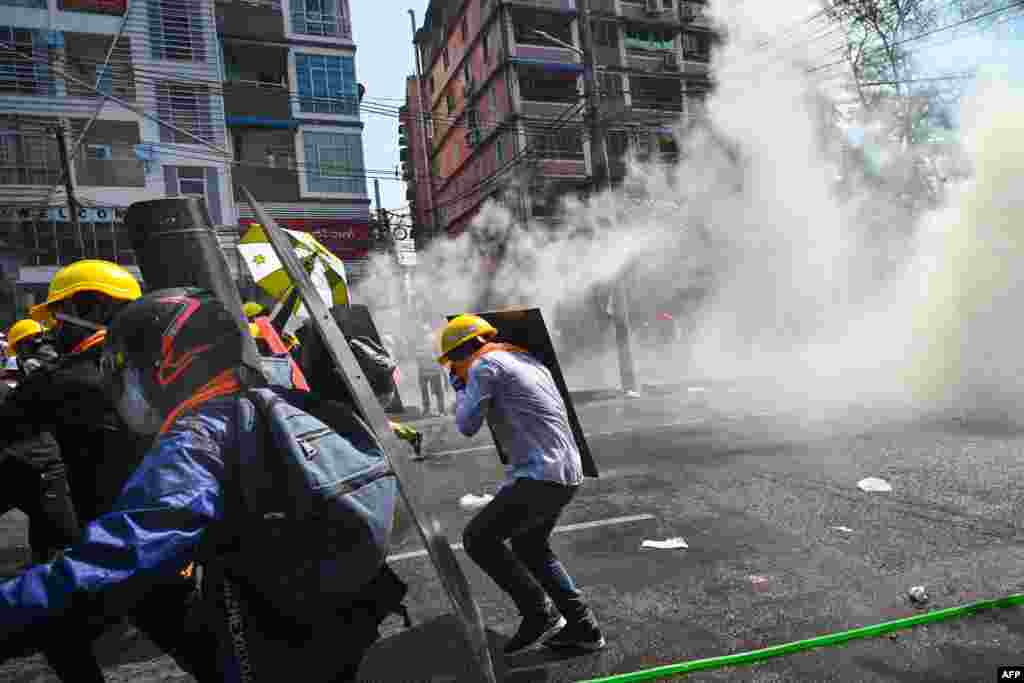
column 85, row 56
column 252, row 19
column 110, row 173
column 639, row 12
column 267, row 184
column 545, row 53
column 696, row 65
column 556, row 5
column 657, row 94
column 548, row 111
column 29, row 175
column 248, row 99
column 664, row 62
column 695, row 15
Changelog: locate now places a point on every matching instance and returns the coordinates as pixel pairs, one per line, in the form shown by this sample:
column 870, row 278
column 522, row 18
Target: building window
column 538, row 85
column 320, row 18
column 465, row 29
column 499, row 150
column 449, row 101
column 444, row 56
column 334, row 163
column 192, row 182
column 562, row 145
column 27, row 158
column 606, row 33
column 23, row 77
column 104, row 79
column 327, row 84
column 187, row 106
column 485, row 46
column 696, row 46
column 493, row 94
column 34, row 4
column 176, row 30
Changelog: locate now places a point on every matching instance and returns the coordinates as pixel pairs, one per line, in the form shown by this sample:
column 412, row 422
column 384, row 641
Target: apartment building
column 503, row 80
column 53, row 63
column 292, row 110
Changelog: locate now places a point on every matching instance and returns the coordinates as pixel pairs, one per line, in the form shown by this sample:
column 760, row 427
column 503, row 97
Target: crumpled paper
column 874, row 485
column 471, row 501
column 667, row 544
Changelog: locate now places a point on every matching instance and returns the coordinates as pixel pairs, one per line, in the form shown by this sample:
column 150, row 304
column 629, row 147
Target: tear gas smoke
column 825, row 296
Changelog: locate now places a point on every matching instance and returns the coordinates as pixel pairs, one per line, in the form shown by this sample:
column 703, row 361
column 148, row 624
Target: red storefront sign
column 345, row 239
column 100, row 6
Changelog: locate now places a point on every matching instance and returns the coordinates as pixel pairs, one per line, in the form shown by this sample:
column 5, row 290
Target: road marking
column 490, row 447
column 611, row 521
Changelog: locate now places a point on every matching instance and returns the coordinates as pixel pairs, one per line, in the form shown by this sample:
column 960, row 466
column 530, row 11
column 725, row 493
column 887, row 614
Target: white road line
column 490, row 447
column 611, row 521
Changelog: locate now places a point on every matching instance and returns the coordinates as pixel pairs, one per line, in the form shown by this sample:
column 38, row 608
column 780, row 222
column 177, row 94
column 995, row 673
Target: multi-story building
column 292, row 104
column 503, row 80
column 54, row 57
column 202, row 94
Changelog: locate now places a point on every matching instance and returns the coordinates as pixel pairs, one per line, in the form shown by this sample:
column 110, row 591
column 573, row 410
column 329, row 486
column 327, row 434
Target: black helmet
column 179, row 339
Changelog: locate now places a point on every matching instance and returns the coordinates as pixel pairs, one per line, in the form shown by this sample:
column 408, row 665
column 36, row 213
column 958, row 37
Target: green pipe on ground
column 827, row 640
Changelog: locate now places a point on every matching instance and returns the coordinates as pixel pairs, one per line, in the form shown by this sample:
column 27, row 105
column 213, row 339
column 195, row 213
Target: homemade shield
column 438, row 548
column 526, row 328
column 316, row 361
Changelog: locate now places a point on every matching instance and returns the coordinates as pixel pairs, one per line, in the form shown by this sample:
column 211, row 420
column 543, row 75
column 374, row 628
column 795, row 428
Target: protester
column 173, row 366
column 517, row 396
column 431, row 377
column 62, row 427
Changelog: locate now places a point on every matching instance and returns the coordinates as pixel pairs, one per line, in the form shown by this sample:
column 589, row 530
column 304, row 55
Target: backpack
column 313, row 508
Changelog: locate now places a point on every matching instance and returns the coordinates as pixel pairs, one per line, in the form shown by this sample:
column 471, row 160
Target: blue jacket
column 170, row 513
column 154, row 529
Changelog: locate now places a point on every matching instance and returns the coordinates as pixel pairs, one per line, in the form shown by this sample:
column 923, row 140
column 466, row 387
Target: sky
column 384, row 58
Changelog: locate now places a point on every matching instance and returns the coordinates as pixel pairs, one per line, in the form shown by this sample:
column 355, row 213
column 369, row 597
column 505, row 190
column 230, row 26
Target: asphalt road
column 758, row 499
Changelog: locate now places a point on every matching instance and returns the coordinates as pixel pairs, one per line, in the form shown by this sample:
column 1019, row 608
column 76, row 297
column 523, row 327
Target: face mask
column 133, row 407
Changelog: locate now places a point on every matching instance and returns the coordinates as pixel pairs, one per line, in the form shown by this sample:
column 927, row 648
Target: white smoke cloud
column 831, row 300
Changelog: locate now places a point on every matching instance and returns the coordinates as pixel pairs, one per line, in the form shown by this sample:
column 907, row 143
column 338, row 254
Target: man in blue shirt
column 517, row 395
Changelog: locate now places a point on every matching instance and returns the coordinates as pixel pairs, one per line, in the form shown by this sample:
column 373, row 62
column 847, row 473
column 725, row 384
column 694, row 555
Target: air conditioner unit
column 671, row 62
column 654, row 7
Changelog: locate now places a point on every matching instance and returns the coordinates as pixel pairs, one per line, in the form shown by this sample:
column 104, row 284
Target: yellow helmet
column 252, row 309
column 254, row 330
column 88, row 275
column 20, row 330
column 460, row 330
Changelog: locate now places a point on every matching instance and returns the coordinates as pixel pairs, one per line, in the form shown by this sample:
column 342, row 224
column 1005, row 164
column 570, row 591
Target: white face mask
column 137, row 412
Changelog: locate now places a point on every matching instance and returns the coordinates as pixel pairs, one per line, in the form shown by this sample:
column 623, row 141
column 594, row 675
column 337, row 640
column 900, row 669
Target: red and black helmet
column 178, row 338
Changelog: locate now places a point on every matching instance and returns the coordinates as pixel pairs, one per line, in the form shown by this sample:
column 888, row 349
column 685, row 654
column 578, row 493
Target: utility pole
column 62, row 147
column 599, row 159
column 424, row 117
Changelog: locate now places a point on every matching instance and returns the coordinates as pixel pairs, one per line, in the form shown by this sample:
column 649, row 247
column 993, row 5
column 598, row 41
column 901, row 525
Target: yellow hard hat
column 88, row 275
column 254, row 330
column 460, row 330
column 252, row 309
column 19, row 331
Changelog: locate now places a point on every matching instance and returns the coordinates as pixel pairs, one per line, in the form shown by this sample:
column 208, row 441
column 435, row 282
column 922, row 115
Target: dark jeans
column 432, row 381
column 525, row 513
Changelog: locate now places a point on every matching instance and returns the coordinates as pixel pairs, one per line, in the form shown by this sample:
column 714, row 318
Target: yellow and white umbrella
column 326, row 270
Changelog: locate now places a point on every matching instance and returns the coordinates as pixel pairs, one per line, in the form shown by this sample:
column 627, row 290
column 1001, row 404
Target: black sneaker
column 580, row 636
column 533, row 631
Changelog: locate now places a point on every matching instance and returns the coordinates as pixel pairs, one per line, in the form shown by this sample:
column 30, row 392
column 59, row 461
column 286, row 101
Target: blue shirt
column 517, row 396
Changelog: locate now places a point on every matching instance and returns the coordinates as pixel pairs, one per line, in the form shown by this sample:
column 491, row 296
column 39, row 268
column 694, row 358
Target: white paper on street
column 667, row 544
column 471, row 501
column 874, row 485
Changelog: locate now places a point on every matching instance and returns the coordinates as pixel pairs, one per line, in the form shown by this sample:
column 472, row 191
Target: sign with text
column 346, row 239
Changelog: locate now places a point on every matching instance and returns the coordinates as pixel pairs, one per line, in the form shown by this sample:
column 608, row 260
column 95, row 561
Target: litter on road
column 844, row 529
column 667, row 544
column 918, row 595
column 471, row 501
column 874, row 485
